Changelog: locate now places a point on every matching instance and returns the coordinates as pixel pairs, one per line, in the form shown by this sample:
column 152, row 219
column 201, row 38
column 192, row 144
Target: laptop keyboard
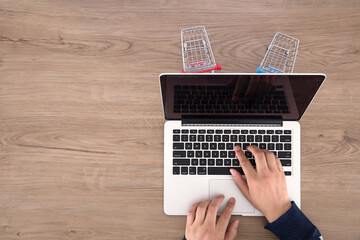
column 210, row 152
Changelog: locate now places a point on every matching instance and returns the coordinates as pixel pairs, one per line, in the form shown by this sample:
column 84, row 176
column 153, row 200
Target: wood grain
column 81, row 123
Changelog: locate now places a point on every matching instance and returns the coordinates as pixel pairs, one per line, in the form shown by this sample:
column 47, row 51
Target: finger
column 240, row 182
column 191, row 213
column 254, row 84
column 260, row 158
column 232, row 230
column 245, row 163
column 278, row 164
column 213, row 209
column 239, row 88
column 224, row 219
column 270, row 159
column 201, row 212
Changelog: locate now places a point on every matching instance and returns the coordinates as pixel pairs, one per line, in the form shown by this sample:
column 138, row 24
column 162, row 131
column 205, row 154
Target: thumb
column 232, row 231
column 240, row 182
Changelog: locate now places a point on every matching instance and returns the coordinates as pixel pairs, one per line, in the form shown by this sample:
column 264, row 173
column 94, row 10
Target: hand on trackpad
column 229, row 189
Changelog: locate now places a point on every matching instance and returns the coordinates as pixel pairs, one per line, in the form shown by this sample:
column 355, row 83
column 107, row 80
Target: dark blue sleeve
column 294, row 225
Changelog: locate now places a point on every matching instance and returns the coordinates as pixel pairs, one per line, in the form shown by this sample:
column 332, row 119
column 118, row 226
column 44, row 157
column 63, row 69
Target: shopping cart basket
column 196, row 51
column 280, row 56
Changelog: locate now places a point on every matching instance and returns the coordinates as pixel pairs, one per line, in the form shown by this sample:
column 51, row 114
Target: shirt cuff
column 293, row 225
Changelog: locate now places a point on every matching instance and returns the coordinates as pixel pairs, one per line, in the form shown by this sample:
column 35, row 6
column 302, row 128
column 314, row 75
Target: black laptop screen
column 223, row 95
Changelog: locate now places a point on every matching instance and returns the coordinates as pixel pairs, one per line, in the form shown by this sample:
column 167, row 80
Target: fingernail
column 221, row 195
column 232, row 171
column 232, row 200
column 237, row 148
column 237, row 223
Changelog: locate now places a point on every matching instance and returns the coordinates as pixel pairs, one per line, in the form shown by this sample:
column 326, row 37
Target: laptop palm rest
column 229, row 189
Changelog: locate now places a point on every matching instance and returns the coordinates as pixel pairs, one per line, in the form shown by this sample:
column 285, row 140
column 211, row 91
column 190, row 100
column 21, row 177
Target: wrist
column 277, row 212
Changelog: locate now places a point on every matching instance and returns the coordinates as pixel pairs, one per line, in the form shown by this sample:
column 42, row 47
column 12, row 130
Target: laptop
column 208, row 114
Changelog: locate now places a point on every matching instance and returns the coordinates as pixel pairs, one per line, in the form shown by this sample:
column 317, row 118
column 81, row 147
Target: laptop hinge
column 232, row 121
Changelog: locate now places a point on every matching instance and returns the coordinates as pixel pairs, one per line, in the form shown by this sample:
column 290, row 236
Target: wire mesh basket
column 196, row 51
column 281, row 55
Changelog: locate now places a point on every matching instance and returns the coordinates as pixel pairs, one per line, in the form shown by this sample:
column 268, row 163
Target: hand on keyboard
column 265, row 187
column 201, row 220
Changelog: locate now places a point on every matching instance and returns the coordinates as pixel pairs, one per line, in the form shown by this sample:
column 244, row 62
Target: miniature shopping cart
column 280, row 56
column 196, row 51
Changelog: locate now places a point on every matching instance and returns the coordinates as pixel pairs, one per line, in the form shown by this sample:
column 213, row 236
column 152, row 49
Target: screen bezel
column 163, row 75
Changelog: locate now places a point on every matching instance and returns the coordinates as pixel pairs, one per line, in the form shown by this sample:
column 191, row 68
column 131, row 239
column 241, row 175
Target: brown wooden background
column 81, row 124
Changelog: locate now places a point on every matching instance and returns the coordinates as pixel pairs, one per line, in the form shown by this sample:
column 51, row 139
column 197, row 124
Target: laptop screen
column 238, row 95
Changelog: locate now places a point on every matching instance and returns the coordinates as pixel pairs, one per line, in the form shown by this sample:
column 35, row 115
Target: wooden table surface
column 81, row 122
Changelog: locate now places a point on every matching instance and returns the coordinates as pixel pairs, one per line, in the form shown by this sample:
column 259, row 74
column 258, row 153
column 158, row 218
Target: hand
column 201, row 220
column 265, row 188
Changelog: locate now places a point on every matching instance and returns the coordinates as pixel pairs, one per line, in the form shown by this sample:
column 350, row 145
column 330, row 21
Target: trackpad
column 229, row 189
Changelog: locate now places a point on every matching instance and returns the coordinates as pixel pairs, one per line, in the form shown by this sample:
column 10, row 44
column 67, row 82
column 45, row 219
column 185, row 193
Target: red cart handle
column 217, row 67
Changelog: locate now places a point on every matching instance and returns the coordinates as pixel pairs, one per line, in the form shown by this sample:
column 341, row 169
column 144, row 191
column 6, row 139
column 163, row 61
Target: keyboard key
column 202, row 131
column 285, row 138
column 225, row 138
column 198, row 154
column 287, row 173
column 201, row 138
column 219, row 131
column 223, row 154
column 223, row 170
column 219, row 162
column 202, row 162
column 261, row 131
column 213, row 146
column 176, row 138
column 227, row 162
column 245, row 145
column 275, row 138
column 236, row 131
column 176, row 130
column 248, row 154
column 266, row 138
column 205, row 146
column 244, row 131
column 184, row 138
column 278, row 131
column 210, row 131
column 190, row 154
column 287, row 146
column 253, row 131
column 184, row 170
column 192, row 170
column 258, row 138
column 235, row 162
column 229, row 146
column 285, row 162
column 287, row 131
column 196, row 145
column 242, row 138
column 188, row 145
column 211, row 162
column 271, row 146
column 227, row 131
column 192, row 138
column 207, row 154
column 215, row 154
column 177, row 161
column 270, row 131
column 279, row 146
column 176, row 170
column 262, row 145
column 201, row 170
column 193, row 131
column 178, row 145
column 217, row 138
column 284, row 154
column 221, row 146
column 250, row 138
column 233, row 138
column 231, row 154
column 194, row 161
column 179, row 154
column 209, row 138
column 184, row 131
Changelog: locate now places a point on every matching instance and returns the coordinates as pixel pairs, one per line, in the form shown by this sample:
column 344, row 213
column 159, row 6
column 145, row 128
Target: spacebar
column 223, row 170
